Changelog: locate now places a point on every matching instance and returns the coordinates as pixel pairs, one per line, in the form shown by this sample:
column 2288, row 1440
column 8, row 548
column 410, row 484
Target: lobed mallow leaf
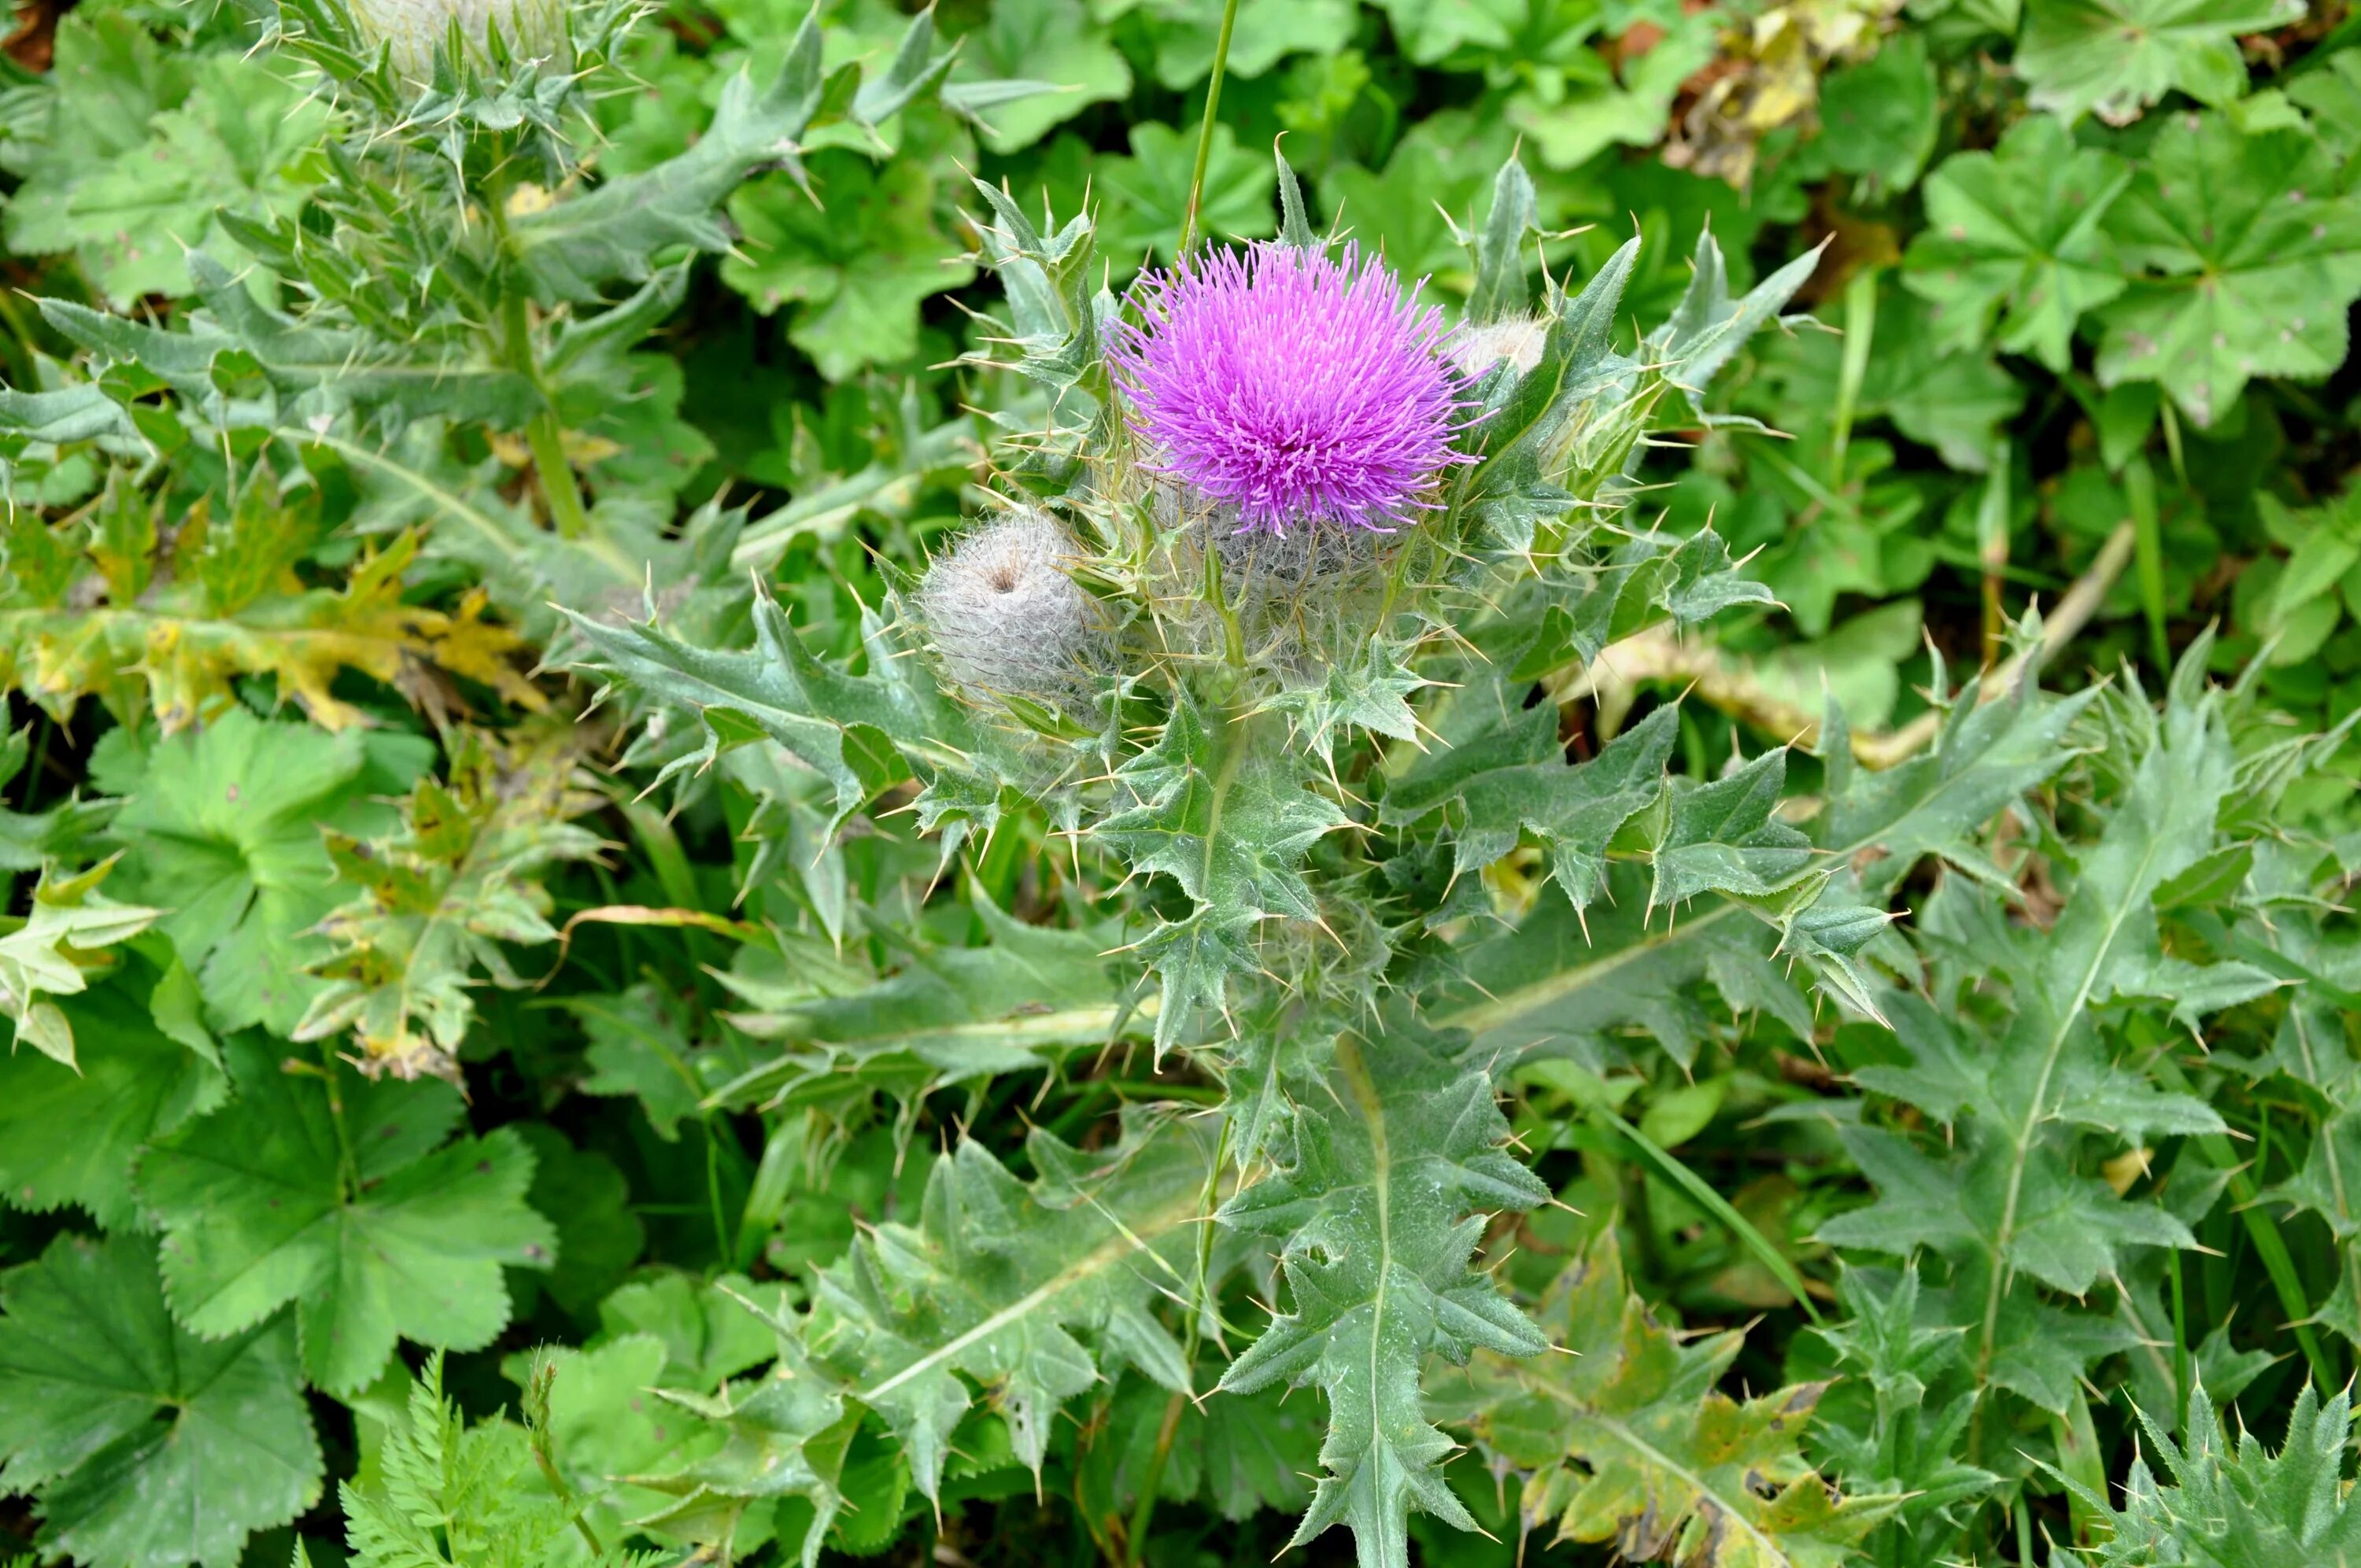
column 151, row 1445
column 69, row 1133
column 359, row 1208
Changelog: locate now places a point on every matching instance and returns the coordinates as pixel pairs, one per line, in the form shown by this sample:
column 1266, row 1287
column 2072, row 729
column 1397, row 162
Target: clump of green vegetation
column 792, row 787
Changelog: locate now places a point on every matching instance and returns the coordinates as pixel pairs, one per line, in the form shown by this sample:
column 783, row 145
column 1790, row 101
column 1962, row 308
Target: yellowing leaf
column 1628, row 1440
column 438, row 897
column 168, row 629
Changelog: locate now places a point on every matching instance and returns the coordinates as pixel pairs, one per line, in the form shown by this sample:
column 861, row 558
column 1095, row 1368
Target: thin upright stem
column 2139, row 493
column 347, row 1165
column 1205, row 131
column 1143, row 1510
column 1991, row 552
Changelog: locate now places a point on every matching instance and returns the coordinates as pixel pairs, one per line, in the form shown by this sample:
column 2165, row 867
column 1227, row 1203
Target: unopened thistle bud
column 1300, row 387
column 1517, row 339
column 413, row 30
column 1004, row 616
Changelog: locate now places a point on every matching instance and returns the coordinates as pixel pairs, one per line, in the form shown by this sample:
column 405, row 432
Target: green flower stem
column 775, row 1182
column 1143, row 1510
column 1992, row 553
column 542, row 435
column 1859, row 332
column 2139, row 491
column 1234, row 647
column 1205, row 131
column 348, row 1166
column 566, row 1494
column 556, row 478
column 2179, row 1344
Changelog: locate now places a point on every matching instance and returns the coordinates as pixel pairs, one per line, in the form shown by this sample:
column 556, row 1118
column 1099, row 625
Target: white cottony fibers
column 1253, row 561
column 1003, row 613
column 414, row 29
column 1517, row 339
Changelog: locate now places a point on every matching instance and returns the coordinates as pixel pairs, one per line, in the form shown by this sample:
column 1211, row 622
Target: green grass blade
column 2148, row 540
column 1702, row 1194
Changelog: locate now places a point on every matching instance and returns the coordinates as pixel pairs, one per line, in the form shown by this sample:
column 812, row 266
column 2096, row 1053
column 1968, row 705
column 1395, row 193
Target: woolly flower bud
column 1517, row 339
column 414, row 29
column 1003, row 613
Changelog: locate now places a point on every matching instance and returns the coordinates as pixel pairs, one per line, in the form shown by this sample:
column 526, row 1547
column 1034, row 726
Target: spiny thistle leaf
column 2238, row 1506
column 998, row 1277
column 178, row 623
column 1555, row 978
column 239, row 360
column 1625, row 1439
column 1504, row 766
column 617, row 230
column 2009, row 1200
column 1231, row 824
column 1392, row 1148
column 824, row 716
column 1035, row 1292
column 1029, row 997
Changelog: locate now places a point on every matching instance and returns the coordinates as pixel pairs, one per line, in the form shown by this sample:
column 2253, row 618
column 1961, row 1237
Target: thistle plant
column 1317, row 550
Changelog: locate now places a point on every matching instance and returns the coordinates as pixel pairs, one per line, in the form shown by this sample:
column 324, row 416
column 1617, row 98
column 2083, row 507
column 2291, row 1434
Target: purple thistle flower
column 1298, row 387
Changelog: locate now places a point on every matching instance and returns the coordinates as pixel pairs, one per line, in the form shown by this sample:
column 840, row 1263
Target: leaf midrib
column 1173, row 1212
column 2021, row 1138
column 1516, row 1004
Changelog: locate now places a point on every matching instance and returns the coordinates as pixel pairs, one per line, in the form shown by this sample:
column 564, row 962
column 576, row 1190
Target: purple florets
column 1298, row 387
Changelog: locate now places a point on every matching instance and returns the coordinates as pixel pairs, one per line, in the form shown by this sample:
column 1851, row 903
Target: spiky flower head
column 1003, row 615
column 414, row 29
column 1299, row 387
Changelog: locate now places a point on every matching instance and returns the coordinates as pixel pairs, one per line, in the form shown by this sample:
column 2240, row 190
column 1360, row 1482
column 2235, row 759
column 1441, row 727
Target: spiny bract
column 1299, row 387
column 1003, row 615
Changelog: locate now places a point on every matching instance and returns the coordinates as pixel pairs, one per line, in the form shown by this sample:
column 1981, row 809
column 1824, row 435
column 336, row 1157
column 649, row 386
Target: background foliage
column 427, row 1141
